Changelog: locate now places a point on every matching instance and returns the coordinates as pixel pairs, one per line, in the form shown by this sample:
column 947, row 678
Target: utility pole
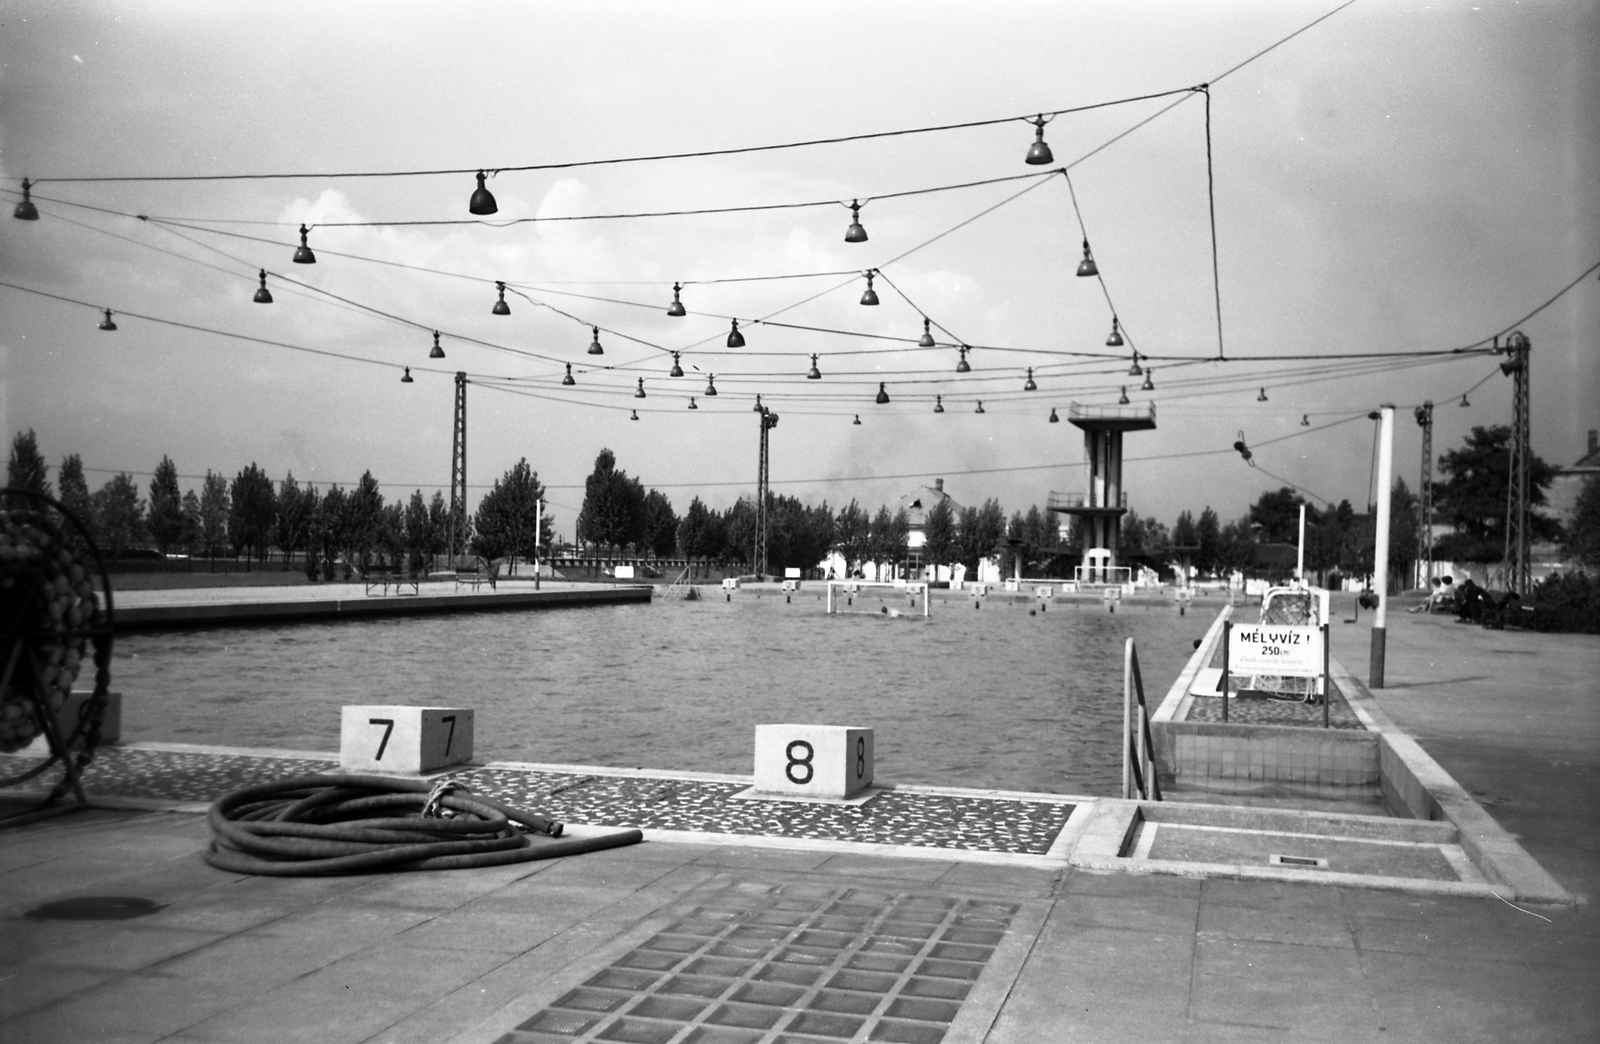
column 1519, row 488
column 758, row 560
column 458, row 464
column 1380, row 556
column 1424, row 415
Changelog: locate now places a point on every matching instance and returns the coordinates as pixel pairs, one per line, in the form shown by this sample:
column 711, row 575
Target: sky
column 1400, row 177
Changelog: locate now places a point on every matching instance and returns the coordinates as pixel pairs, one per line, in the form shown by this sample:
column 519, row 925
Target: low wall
column 1234, row 758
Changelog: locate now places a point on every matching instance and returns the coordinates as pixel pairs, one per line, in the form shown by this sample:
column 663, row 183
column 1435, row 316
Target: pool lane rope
column 334, row 823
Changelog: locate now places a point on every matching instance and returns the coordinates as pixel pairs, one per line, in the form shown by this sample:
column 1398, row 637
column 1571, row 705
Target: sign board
column 791, row 572
column 1283, row 650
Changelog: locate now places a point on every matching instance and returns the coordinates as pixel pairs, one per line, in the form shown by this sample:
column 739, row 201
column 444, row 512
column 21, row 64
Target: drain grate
column 1302, row 862
column 799, row 964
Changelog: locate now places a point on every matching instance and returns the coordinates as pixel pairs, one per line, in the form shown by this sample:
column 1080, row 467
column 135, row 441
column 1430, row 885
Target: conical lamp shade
column 482, row 202
column 26, row 211
column 1039, row 152
column 926, row 340
column 302, row 253
column 594, row 343
column 676, row 307
column 106, row 323
column 855, row 233
column 263, row 295
column 1087, row 267
column 883, row 393
column 735, row 338
column 437, row 352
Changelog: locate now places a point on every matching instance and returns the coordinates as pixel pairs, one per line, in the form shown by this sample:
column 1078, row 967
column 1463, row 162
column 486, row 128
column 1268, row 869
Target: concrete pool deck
column 746, row 939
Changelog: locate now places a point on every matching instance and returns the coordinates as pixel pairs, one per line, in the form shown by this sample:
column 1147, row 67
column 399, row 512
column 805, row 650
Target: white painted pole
column 1127, row 716
column 1380, row 554
column 1300, row 560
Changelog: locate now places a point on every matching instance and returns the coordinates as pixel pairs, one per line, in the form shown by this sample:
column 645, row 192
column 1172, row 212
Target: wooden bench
column 477, row 572
column 384, row 577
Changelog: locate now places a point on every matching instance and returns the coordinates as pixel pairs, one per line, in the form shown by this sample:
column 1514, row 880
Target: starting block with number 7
column 388, row 738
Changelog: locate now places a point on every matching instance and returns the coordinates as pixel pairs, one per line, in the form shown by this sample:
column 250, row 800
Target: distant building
column 1562, row 496
column 917, row 505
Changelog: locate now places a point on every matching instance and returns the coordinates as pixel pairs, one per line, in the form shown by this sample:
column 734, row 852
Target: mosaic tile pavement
column 1013, row 826
column 759, row 964
column 1245, row 709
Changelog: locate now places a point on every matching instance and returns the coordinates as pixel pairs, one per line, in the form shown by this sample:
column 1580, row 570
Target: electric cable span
column 336, row 823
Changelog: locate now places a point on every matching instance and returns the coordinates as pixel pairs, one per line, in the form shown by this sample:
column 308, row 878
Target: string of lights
column 611, row 161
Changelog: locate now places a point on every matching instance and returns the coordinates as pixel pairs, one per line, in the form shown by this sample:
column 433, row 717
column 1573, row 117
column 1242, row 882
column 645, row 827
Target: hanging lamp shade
column 677, row 370
column 883, row 393
column 711, row 384
column 854, row 234
column 1263, row 396
column 735, row 338
column 635, row 415
column 1149, row 380
column 594, row 343
column 980, row 407
column 926, row 340
column 1464, row 401
column 938, row 404
column 871, row 296
column 302, row 253
column 500, row 306
column 692, row 405
column 437, row 352
column 962, row 366
column 1053, row 418
column 1243, row 450
column 1123, row 401
column 1030, row 386
column 1087, row 267
column 815, row 374
column 757, row 407
column 1134, row 370
column 1115, row 340
column 567, row 380
column 640, row 393
column 1039, row 151
column 1305, row 420
column 858, row 419
column 263, row 295
column 26, row 211
column 676, row 307
column 406, row 377
column 482, row 202
column 106, row 323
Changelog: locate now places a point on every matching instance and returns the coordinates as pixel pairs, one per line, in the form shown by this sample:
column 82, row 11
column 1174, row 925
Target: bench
column 384, row 577
column 477, row 572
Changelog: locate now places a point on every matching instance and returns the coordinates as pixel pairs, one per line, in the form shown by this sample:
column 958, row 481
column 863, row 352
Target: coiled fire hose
column 343, row 824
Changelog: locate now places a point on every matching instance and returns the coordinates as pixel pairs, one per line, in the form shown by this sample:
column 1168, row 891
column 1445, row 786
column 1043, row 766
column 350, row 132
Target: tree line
column 335, row 531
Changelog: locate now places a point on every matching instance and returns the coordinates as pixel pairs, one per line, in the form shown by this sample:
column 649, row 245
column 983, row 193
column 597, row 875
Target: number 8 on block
column 827, row 761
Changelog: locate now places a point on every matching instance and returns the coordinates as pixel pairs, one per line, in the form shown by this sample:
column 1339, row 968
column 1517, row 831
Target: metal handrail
column 1138, row 749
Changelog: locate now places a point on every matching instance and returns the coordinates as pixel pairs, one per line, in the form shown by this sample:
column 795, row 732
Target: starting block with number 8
column 403, row 739
column 816, row 761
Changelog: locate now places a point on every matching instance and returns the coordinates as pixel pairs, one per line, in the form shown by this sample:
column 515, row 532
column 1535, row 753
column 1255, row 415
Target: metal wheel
column 51, row 622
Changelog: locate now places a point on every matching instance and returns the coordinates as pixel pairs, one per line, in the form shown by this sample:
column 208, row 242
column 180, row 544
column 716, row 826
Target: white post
column 1380, row 554
column 538, row 523
column 1127, row 716
column 1300, row 558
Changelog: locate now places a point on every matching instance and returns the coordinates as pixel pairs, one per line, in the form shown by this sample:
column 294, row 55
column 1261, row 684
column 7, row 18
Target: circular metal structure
column 51, row 621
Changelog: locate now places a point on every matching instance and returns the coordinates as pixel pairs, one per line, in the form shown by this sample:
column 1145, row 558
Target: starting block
column 403, row 739
column 814, row 761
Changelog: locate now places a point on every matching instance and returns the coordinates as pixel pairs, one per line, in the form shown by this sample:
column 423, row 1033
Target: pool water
column 976, row 698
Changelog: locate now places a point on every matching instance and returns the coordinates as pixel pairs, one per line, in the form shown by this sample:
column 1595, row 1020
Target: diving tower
column 1103, row 503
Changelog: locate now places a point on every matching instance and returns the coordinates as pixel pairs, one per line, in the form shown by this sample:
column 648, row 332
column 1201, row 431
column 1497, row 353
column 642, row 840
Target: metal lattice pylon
column 1425, row 495
column 458, row 466
column 758, row 559
column 1519, row 484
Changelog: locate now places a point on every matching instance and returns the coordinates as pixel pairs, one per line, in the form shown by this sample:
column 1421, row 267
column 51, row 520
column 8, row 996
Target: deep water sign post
column 1275, row 649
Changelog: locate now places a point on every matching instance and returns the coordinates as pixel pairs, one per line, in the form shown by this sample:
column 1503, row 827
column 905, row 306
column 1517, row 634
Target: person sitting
column 1469, row 602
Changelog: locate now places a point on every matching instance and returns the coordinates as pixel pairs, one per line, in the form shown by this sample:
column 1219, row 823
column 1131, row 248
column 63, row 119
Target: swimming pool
column 977, row 698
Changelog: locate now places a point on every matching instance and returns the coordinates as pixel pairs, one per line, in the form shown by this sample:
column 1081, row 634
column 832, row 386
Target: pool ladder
column 1138, row 749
